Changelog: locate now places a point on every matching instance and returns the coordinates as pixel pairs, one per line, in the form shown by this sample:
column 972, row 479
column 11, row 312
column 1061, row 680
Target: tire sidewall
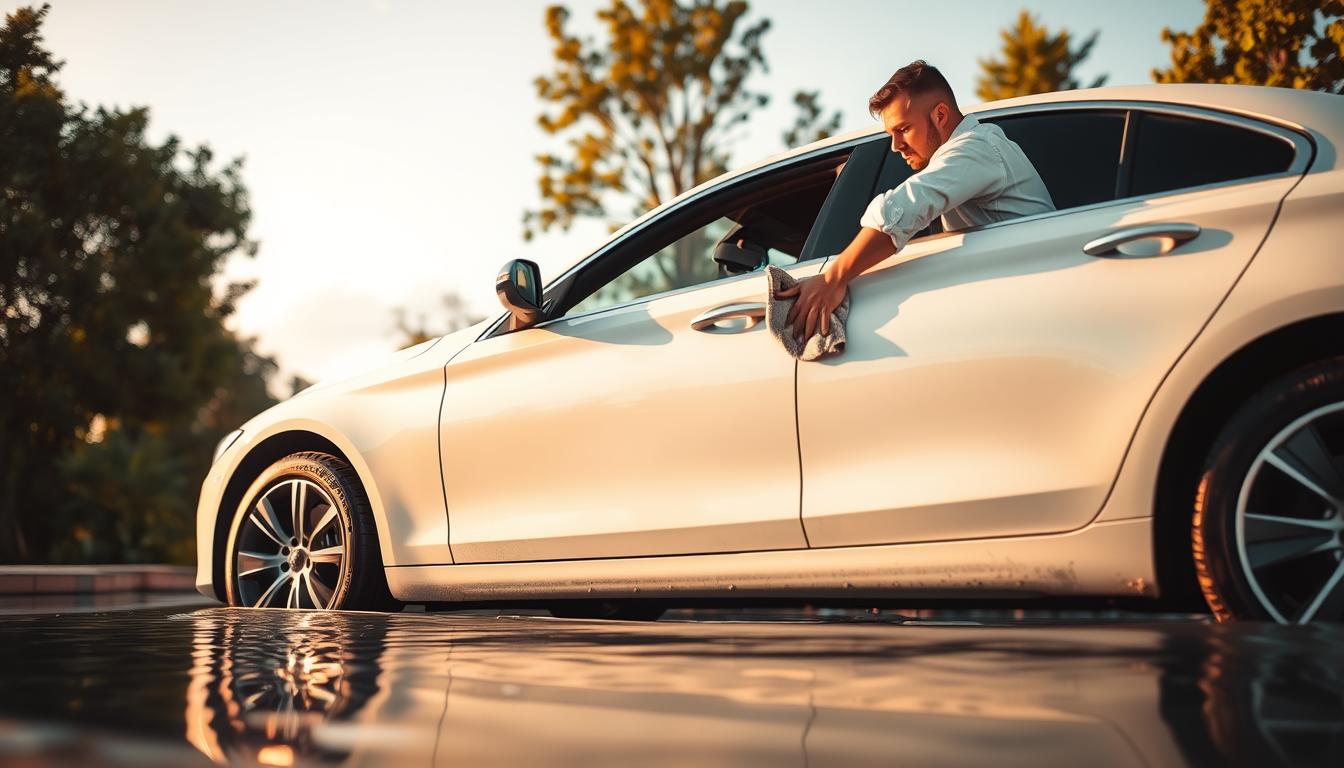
column 1218, row 561
column 306, row 467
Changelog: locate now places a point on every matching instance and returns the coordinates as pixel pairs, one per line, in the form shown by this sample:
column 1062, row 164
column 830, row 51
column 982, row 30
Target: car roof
column 1319, row 114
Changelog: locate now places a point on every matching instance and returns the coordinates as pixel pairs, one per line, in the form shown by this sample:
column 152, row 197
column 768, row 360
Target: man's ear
column 941, row 114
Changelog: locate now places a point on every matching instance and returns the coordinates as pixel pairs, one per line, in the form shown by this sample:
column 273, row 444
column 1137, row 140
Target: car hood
column 442, row 349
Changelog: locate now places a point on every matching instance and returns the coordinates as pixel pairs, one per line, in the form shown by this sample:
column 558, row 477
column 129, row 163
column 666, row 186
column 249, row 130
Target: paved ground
column 91, row 579
column 84, row 588
column 193, row 684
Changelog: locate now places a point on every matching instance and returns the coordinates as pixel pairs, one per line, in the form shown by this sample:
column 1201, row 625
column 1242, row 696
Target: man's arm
column 868, row 248
column 966, row 171
column 819, row 296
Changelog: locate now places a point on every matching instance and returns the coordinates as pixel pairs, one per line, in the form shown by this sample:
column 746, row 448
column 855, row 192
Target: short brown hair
column 916, row 78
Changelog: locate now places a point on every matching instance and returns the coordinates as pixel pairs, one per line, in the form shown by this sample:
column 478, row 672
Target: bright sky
column 389, row 143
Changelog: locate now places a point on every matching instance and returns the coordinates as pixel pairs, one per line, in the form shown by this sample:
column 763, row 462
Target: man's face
column 912, row 125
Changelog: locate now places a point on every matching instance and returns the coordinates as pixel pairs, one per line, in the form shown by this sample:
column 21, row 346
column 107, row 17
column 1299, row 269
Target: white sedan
column 1140, row 394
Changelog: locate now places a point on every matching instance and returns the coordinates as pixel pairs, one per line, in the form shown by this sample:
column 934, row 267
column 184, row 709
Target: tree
column 648, row 112
column 1286, row 43
column 1033, row 61
column 297, row 384
column 809, row 125
column 458, row 316
column 117, row 371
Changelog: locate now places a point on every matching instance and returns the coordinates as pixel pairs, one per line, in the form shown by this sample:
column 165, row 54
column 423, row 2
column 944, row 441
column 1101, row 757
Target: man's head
column 917, row 110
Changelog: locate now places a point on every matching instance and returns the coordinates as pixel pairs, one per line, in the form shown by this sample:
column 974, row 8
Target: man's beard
column 918, row 162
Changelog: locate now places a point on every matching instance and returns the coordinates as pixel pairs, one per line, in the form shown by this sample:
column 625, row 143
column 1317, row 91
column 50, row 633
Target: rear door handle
column 1166, row 237
column 729, row 318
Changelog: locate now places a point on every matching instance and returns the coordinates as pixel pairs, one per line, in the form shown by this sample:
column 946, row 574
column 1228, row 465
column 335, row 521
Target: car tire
column 324, row 557
column 1269, row 507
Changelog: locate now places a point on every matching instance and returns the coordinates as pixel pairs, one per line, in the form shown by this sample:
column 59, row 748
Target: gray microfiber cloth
column 776, row 310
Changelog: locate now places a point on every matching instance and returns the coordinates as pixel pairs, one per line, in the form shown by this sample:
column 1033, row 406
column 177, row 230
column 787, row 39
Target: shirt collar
column 968, row 123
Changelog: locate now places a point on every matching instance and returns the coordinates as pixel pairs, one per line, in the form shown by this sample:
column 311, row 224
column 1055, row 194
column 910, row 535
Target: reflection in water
column 1260, row 699
column 280, row 688
column 261, row 701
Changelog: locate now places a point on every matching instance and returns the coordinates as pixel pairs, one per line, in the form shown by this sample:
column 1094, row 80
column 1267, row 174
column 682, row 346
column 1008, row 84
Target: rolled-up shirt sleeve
column 964, row 171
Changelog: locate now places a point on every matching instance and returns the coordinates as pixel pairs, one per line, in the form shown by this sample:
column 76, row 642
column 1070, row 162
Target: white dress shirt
column 977, row 176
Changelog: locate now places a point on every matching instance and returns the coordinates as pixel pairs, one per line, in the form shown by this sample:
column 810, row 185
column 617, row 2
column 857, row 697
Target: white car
column 1140, row 394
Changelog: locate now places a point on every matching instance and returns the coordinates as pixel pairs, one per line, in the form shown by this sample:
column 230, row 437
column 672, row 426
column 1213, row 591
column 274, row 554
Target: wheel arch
column 260, row 456
column 1206, row 411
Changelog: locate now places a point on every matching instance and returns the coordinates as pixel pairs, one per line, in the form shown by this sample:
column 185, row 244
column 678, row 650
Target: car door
column 993, row 377
column 638, row 424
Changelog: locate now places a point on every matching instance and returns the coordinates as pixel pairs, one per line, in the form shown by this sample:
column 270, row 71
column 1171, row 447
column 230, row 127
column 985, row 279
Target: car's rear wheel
column 1269, row 510
column 304, row 537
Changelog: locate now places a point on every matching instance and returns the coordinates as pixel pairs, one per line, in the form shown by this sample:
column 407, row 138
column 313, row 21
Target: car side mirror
column 518, row 287
column 739, row 255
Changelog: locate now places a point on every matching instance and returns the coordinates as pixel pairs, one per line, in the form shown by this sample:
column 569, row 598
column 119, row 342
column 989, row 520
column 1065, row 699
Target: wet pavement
column 180, row 686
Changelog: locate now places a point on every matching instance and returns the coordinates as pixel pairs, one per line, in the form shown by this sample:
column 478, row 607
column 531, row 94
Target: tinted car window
column 894, row 171
column 771, row 216
column 686, row 261
column 839, row 218
column 1077, row 154
column 1177, row 152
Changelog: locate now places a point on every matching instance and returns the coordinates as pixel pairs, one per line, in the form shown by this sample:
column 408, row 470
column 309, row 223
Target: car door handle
column 1168, row 236
column 748, row 316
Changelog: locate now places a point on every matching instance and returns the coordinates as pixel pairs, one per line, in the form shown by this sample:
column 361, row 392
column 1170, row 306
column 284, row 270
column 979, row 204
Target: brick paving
column 94, row 579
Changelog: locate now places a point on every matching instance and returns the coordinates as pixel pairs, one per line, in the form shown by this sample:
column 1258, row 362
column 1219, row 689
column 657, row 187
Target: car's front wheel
column 304, row 537
column 1269, row 510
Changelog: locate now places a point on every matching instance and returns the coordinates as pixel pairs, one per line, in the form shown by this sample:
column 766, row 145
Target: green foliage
column 118, row 372
column 1285, row 43
column 647, row 112
column 122, row 502
column 1033, row 61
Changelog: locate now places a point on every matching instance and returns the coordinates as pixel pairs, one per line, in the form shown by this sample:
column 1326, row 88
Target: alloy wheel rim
column 1290, row 520
column 291, row 548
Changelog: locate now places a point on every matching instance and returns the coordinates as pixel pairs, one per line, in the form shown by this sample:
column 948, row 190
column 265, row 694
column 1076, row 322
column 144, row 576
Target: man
column 967, row 172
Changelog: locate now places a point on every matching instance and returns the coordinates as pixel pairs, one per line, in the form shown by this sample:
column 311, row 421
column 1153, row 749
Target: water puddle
column 170, row 686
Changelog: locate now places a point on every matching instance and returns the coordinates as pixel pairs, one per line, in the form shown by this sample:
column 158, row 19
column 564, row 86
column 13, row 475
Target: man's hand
column 819, row 296
column 817, row 299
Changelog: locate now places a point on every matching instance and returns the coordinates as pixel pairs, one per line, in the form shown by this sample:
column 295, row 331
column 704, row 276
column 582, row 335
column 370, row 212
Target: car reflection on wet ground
column 174, row 685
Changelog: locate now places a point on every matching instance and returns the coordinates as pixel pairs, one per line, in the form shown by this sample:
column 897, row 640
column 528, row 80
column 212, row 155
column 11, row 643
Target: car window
column 687, row 261
column 1177, row 152
column 894, row 171
column 1077, row 153
column 764, row 223
column 1080, row 155
column 839, row 219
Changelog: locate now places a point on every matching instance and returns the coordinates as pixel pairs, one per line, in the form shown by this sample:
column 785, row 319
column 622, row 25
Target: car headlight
column 225, row 442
